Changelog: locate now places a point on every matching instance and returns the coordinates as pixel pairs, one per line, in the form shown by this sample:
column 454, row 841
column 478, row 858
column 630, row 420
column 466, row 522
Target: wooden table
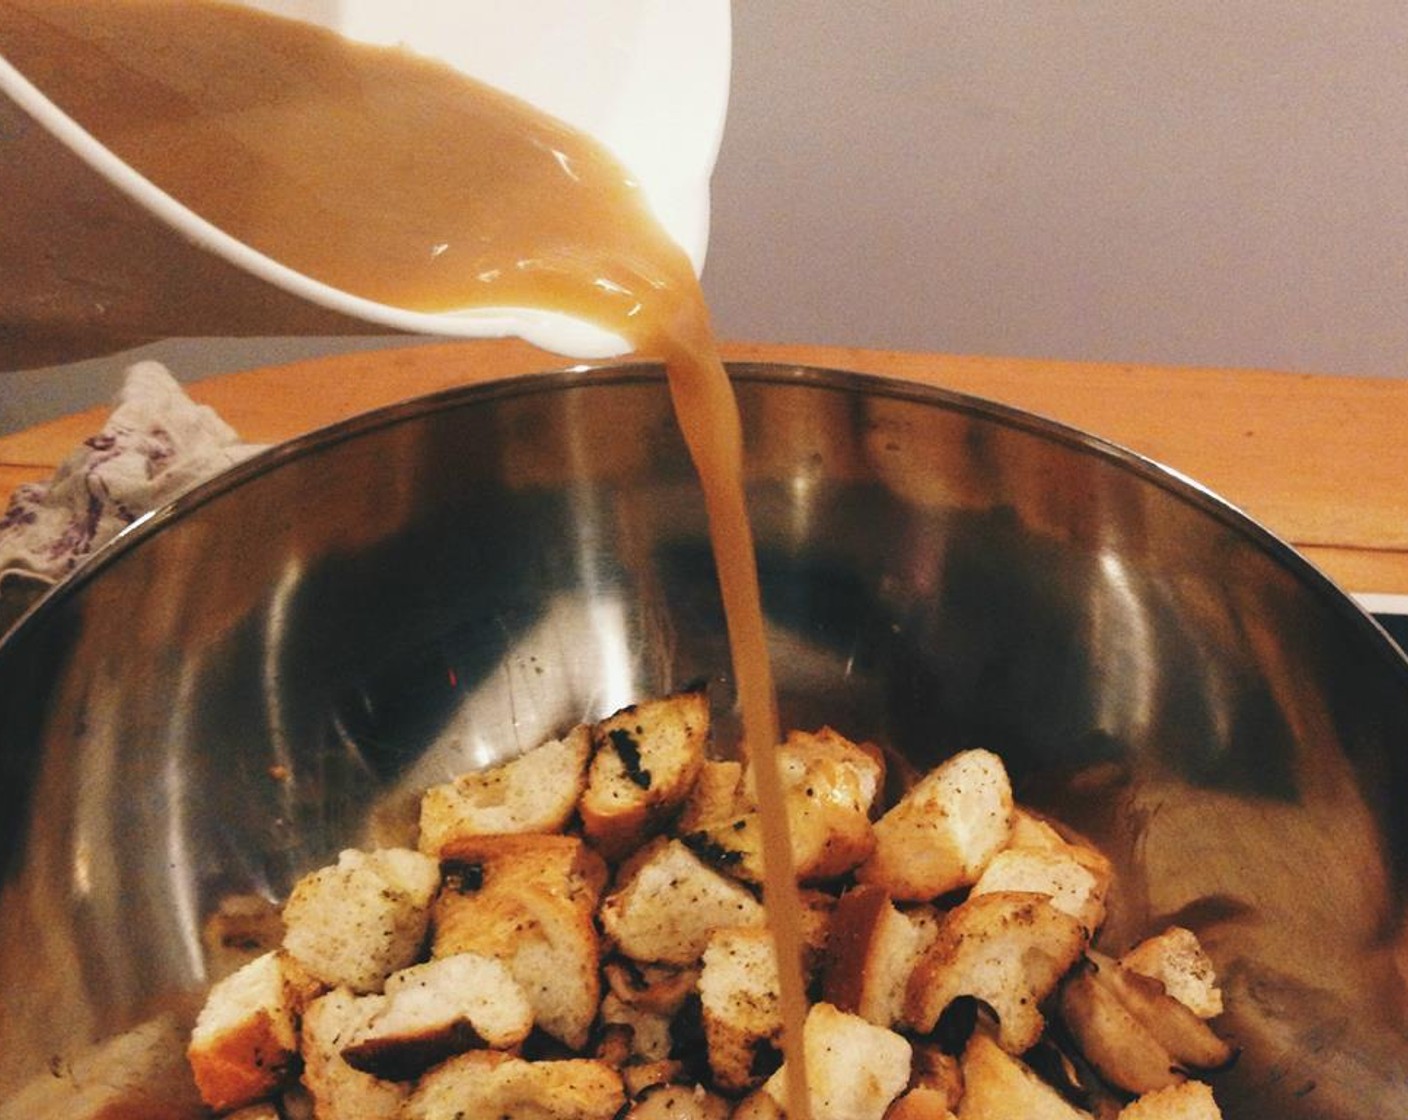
column 1318, row 460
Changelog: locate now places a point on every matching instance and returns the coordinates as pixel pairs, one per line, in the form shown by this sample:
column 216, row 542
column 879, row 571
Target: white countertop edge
column 1379, row 603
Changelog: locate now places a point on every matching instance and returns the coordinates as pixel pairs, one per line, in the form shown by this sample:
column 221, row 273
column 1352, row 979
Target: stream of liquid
column 398, row 179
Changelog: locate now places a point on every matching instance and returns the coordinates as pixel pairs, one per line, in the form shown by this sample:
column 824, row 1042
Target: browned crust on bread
column 536, row 792
column 241, row 1051
column 485, row 1083
column 565, row 866
column 645, row 761
column 1007, row 949
column 548, row 942
column 854, row 928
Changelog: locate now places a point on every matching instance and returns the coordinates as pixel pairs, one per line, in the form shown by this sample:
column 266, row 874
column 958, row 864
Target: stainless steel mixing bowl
column 259, row 675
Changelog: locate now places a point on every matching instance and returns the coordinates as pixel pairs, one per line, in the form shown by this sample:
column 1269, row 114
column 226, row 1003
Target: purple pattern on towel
column 157, row 444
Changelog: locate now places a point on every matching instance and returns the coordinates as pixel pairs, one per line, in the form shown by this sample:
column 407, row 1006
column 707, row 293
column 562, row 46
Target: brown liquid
column 400, row 180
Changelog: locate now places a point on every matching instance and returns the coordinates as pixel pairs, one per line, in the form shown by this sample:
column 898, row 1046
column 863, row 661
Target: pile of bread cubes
column 580, row 934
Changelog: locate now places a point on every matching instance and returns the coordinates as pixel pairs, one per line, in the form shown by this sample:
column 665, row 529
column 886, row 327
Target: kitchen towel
column 156, row 445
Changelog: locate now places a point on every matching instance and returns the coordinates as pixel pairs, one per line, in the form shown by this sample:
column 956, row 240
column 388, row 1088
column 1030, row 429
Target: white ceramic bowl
column 649, row 78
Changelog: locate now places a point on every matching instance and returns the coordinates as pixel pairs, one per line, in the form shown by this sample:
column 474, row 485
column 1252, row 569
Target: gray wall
column 1203, row 182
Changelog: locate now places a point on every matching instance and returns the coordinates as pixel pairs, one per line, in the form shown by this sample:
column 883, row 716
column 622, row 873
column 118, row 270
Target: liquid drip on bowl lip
column 365, row 168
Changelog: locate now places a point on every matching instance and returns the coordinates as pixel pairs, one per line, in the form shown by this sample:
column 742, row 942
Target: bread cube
column 718, row 795
column 670, row 903
column 565, row 866
column 871, row 954
column 245, row 1041
column 338, row 1091
column 1058, row 874
column 829, row 785
column 548, row 942
column 358, row 921
column 537, row 792
column 1175, row 958
column 942, row 833
column 487, row 1083
column 998, row 1086
column 738, row 991
column 679, row 1102
column 432, row 1011
column 1192, row 1100
column 854, row 1068
column 645, row 761
column 1137, row 1035
column 1007, row 949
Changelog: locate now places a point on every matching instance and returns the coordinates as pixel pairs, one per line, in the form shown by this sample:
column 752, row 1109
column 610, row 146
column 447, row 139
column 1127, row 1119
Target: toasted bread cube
column 817, row 913
column 529, row 901
column 435, row 1010
column 564, row 866
column 1071, row 886
column 537, row 792
column 338, row 1091
column 920, row 1104
column 1193, row 1044
column 355, row 923
column 548, row 942
column 718, row 795
column 758, row 1105
column 1113, row 1039
column 854, row 1068
column 829, row 784
column 738, row 992
column 872, row 952
column 1184, row 1040
column 640, row 1077
column 1033, row 832
column 1192, row 1100
column 941, row 834
column 670, row 903
column 997, row 1086
column 487, row 1083
column 645, row 762
column 732, row 846
column 1007, row 949
column 245, row 1040
column 855, row 772
column 679, row 1102
column 1176, row 959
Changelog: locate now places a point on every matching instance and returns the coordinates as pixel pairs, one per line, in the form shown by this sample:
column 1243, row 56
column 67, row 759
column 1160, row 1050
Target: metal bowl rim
column 1169, row 479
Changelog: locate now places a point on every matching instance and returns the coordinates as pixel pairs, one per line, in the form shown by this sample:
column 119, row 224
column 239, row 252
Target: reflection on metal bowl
column 266, row 672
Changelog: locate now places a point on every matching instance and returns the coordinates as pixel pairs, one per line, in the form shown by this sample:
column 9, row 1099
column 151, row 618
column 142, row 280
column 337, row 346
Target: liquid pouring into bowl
column 403, row 182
